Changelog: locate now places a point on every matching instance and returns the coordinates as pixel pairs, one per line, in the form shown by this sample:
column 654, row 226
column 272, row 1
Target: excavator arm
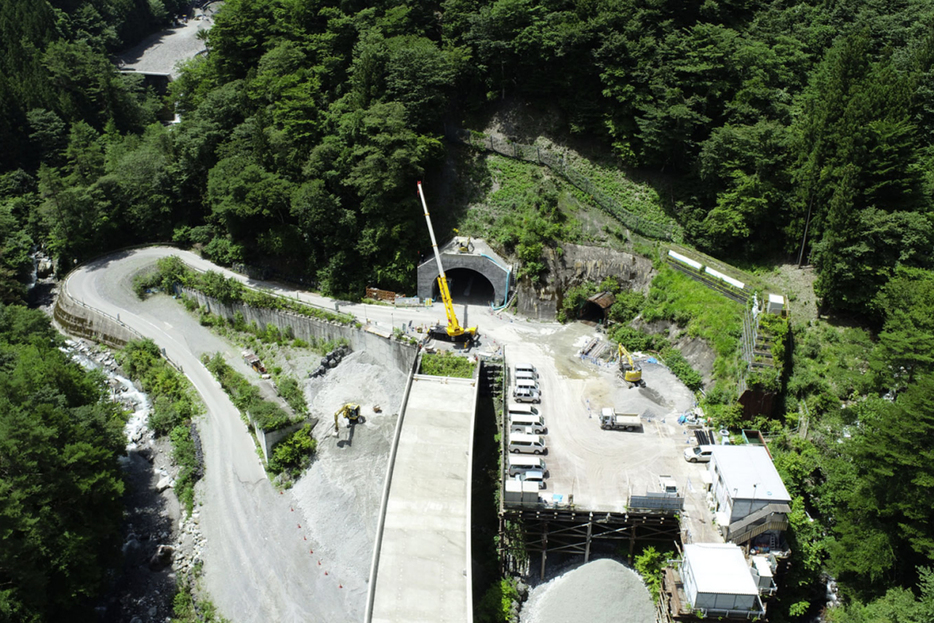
column 349, row 411
column 631, row 372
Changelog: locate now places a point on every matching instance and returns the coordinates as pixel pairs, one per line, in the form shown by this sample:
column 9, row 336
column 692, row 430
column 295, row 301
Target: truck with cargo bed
column 613, row 420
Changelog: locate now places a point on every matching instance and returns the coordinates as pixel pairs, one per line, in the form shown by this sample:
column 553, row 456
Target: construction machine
column 349, row 411
column 631, row 371
column 453, row 331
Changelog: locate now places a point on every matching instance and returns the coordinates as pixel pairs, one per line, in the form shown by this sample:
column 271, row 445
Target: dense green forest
column 777, row 130
column 61, row 486
column 305, row 128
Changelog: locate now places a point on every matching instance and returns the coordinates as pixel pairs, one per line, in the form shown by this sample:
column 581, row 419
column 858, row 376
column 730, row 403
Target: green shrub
column 496, row 604
column 183, row 453
column 292, row 393
column 650, row 564
column 635, row 340
column 681, row 368
column 246, row 396
column 447, row 363
column 294, row 453
column 703, row 312
column 574, row 299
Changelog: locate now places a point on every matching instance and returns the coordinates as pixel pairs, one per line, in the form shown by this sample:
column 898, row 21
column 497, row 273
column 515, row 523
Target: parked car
column 698, row 454
column 526, row 394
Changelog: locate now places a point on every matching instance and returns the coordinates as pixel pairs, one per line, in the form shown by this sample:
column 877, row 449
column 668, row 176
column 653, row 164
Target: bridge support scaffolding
column 540, row 531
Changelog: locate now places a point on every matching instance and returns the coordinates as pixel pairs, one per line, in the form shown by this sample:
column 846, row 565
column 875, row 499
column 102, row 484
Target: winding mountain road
column 253, row 569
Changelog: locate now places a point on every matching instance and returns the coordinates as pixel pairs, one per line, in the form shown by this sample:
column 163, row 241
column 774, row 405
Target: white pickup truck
column 611, row 420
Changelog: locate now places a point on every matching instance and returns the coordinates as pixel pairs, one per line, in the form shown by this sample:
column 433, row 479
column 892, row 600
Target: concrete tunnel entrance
column 476, row 274
column 467, row 286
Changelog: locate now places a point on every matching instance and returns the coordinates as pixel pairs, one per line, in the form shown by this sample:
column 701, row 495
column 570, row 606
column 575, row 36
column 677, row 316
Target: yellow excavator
column 631, row 371
column 454, row 331
column 349, row 411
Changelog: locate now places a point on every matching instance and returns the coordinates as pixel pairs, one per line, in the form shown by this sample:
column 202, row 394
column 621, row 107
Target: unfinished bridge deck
column 422, row 565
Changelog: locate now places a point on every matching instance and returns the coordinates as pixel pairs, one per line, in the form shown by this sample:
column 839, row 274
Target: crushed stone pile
column 341, row 491
column 601, row 591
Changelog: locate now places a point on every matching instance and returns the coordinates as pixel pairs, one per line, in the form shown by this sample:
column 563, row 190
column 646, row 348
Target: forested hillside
column 784, row 129
column 60, row 484
column 305, row 128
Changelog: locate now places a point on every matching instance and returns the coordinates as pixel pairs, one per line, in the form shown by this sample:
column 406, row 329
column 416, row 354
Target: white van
column 698, row 454
column 523, row 410
column 524, row 394
column 521, row 464
column 533, row 424
column 529, row 383
column 528, row 368
column 526, row 444
column 533, row 475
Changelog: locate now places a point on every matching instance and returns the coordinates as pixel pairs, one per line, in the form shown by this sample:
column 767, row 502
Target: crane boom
column 454, row 329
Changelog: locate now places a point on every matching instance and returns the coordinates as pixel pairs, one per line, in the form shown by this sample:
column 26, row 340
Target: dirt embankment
column 696, row 350
column 577, row 264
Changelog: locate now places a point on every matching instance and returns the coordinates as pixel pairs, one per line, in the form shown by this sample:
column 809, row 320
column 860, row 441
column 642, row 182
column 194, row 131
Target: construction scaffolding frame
column 573, row 531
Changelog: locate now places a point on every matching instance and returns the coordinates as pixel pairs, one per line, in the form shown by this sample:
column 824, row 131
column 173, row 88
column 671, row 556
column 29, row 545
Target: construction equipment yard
column 332, row 513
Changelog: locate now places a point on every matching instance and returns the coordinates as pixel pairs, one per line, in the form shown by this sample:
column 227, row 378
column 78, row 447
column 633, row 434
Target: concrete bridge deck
column 422, row 568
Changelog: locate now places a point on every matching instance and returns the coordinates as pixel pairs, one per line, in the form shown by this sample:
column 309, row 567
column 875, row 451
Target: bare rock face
column 696, row 350
column 576, row 264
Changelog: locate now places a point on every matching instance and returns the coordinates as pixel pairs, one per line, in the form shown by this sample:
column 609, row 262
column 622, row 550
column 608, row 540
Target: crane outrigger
column 454, row 331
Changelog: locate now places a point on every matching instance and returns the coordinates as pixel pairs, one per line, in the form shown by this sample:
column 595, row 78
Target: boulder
column 162, row 558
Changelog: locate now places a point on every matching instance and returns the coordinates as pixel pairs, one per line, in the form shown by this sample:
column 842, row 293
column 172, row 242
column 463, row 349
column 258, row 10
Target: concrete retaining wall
column 268, row 439
column 396, row 354
column 80, row 320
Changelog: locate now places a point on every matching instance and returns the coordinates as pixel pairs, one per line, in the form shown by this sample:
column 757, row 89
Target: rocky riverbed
column 161, row 544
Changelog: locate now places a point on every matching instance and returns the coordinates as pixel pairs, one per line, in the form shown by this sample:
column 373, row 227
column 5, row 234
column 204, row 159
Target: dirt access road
column 257, row 561
column 161, row 52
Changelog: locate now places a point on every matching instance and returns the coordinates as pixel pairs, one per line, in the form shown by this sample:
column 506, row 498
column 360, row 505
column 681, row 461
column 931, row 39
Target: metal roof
column 603, row 299
column 749, row 474
column 720, row 569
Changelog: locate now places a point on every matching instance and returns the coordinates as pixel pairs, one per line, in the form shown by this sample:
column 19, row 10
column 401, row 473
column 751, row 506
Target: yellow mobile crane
column 454, row 331
column 632, row 373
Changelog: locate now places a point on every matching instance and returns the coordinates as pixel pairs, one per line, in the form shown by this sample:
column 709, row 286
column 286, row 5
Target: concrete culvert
column 601, row 591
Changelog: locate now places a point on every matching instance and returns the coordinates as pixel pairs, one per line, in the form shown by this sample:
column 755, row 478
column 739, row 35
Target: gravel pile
column 664, row 396
column 601, row 591
column 340, row 493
